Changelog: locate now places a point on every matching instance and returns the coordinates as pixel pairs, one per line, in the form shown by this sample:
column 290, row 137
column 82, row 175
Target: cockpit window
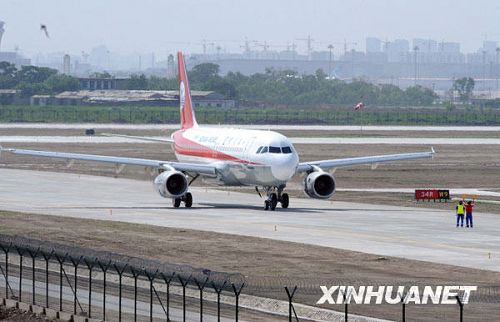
column 258, row 151
column 286, row 149
column 274, row 149
column 264, row 150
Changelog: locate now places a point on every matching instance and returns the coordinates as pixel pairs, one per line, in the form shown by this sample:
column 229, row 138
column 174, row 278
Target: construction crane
column 309, row 41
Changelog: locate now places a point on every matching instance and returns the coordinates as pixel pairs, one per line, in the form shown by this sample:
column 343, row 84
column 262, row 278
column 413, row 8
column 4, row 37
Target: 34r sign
column 432, row 194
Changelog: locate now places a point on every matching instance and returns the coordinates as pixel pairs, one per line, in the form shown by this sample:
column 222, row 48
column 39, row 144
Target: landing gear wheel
column 188, row 200
column 273, row 201
column 285, row 200
column 266, row 205
column 176, row 202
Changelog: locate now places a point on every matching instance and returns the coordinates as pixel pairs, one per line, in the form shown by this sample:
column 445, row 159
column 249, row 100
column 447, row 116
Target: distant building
column 490, row 47
column 397, row 51
column 131, row 98
column 320, row 55
column 7, row 96
column 94, row 83
column 14, row 58
column 66, row 64
column 425, row 45
column 171, row 67
column 449, row 47
column 373, row 45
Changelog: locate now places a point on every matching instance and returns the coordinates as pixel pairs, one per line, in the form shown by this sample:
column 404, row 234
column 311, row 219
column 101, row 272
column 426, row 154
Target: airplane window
column 264, row 150
column 274, row 149
column 286, row 149
column 258, row 151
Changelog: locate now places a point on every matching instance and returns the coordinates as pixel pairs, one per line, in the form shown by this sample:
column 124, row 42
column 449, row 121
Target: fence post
column 290, row 305
column 218, row 291
column 90, row 266
column 7, row 285
column 135, row 275
column 20, row 253
column 104, row 268
column 47, row 257
column 120, row 276
column 461, row 306
column 237, row 293
column 346, row 306
column 61, row 261
column 403, row 303
column 151, row 277
column 33, row 255
column 201, row 286
column 184, row 284
column 75, row 281
column 167, row 281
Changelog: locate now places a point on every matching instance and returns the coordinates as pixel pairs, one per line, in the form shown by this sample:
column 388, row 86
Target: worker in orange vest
column 468, row 213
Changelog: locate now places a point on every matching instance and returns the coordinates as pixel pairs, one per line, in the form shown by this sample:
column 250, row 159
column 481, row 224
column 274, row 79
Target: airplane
column 230, row 157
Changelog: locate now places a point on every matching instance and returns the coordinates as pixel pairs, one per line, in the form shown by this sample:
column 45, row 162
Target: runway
column 294, row 140
column 414, row 233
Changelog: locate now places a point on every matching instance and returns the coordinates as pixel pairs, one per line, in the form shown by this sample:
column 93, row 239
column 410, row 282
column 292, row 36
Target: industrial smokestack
column 2, row 30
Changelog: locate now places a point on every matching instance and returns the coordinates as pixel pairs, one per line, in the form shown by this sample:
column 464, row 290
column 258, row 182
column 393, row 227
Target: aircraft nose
column 284, row 168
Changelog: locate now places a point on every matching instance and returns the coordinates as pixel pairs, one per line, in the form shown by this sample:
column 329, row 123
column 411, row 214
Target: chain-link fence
column 111, row 286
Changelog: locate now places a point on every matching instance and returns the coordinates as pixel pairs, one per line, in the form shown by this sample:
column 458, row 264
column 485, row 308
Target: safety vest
column 460, row 209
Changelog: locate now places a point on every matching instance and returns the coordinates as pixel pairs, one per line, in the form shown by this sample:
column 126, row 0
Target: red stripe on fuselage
column 187, row 147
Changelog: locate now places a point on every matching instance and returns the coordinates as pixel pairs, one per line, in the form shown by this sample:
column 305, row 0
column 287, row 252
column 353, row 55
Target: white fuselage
column 243, row 157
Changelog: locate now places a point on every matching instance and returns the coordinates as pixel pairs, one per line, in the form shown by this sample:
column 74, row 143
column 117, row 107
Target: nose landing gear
column 275, row 195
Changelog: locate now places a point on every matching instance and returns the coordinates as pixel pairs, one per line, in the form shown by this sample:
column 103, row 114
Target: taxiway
column 414, row 233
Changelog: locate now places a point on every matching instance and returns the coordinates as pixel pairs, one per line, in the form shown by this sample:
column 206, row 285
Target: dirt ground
column 16, row 315
column 267, row 264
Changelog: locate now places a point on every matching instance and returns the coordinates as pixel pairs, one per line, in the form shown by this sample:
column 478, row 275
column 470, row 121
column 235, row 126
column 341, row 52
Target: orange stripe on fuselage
column 190, row 148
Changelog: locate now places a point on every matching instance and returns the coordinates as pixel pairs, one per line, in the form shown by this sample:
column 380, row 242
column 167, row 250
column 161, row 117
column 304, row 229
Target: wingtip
column 432, row 150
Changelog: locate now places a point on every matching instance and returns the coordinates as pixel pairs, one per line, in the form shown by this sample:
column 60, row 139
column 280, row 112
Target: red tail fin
column 186, row 107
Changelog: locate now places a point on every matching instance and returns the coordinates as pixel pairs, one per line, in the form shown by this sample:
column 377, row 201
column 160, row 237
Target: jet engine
column 171, row 184
column 319, row 185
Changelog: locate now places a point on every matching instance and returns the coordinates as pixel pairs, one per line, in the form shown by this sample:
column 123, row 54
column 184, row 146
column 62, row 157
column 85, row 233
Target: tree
column 30, row 89
column 137, row 82
column 419, row 95
column 203, row 73
column 104, row 74
column 161, row 83
column 464, row 86
column 34, row 74
column 60, row 83
column 8, row 73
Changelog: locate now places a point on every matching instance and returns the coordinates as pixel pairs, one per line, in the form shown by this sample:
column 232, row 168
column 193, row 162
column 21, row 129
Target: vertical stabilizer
column 188, row 119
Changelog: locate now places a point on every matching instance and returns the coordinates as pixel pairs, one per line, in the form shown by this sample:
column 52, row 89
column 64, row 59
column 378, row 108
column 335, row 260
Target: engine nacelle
column 319, row 185
column 171, row 184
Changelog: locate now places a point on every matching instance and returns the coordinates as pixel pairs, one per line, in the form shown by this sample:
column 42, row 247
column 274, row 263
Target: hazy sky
column 159, row 26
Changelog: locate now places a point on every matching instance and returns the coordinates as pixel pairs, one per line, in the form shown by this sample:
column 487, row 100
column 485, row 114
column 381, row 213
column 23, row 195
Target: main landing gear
column 275, row 195
column 187, row 199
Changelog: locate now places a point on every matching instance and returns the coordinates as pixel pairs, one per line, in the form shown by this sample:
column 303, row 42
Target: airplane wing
column 373, row 160
column 179, row 166
column 141, row 138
